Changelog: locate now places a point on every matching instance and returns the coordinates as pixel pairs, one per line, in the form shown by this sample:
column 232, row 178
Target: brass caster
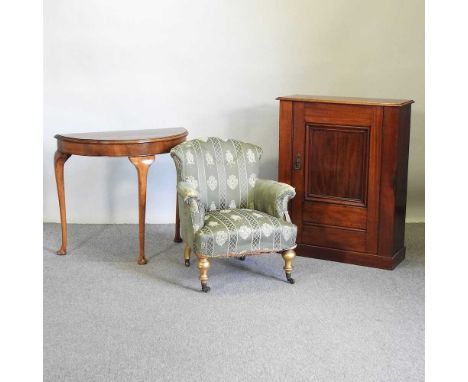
column 242, row 258
column 289, row 278
column 142, row 261
column 187, row 263
column 61, row 252
column 205, row 288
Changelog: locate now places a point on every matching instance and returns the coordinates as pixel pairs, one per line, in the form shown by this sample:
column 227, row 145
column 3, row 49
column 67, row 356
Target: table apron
column 118, row 149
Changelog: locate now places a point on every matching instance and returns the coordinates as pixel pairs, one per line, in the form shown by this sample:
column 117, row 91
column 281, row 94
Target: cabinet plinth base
column 349, row 257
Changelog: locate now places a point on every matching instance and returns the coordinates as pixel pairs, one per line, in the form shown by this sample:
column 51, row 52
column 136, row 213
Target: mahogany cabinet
column 348, row 160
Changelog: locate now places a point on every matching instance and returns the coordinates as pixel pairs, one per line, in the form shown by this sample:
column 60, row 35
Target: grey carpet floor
column 108, row 319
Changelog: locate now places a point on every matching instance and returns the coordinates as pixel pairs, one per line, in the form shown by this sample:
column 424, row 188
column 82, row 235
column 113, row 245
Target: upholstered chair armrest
column 272, row 198
column 192, row 204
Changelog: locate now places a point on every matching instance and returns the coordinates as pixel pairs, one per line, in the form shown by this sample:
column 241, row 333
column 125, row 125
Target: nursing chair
column 225, row 210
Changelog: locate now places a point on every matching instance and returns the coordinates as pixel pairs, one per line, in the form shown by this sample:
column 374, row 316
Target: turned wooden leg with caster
column 187, row 251
column 288, row 257
column 203, row 266
column 177, row 238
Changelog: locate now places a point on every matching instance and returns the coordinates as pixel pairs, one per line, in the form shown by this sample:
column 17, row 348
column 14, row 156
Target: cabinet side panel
column 375, row 169
column 402, row 178
column 285, row 141
column 389, row 161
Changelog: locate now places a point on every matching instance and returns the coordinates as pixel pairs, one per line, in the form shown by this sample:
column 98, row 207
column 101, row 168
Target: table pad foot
column 142, row 261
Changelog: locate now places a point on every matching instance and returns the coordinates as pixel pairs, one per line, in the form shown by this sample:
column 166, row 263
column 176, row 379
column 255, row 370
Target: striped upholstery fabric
column 239, row 231
column 225, row 210
column 223, row 171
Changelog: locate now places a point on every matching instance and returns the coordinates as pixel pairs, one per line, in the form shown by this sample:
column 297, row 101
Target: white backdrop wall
column 215, row 68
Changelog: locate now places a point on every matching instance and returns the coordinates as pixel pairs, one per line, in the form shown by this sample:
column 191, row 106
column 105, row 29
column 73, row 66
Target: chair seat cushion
column 236, row 231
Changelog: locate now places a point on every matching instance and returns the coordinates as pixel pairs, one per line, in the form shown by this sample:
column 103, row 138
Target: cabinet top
column 346, row 100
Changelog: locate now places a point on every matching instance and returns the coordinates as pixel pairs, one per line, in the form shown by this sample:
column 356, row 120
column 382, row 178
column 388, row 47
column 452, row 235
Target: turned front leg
column 187, row 251
column 203, row 266
column 59, row 162
column 288, row 257
column 177, row 238
column 142, row 165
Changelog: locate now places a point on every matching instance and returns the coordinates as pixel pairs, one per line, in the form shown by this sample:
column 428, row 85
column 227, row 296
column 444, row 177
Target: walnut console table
column 140, row 146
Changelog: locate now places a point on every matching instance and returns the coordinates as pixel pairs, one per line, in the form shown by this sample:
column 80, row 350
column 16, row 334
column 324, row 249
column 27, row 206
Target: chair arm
column 272, row 198
column 192, row 204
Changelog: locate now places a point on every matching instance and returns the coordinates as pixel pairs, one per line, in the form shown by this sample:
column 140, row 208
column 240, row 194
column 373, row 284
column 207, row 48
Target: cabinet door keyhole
column 297, row 162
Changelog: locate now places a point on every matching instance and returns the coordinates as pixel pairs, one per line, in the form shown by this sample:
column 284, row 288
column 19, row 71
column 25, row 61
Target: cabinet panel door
column 336, row 173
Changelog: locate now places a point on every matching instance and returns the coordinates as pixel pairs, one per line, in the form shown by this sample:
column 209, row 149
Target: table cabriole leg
column 142, row 165
column 59, row 162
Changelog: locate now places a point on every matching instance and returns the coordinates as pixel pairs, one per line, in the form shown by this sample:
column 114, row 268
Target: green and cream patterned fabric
column 191, row 198
column 217, row 175
column 223, row 172
column 238, row 231
column 273, row 197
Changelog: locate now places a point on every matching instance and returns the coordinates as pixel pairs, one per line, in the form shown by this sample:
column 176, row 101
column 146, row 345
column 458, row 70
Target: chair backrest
column 222, row 171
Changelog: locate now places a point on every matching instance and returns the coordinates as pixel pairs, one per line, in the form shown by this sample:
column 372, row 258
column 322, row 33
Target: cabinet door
column 336, row 172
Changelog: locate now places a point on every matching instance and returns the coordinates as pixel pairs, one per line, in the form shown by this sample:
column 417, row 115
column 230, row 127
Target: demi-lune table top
column 126, row 136
column 121, row 143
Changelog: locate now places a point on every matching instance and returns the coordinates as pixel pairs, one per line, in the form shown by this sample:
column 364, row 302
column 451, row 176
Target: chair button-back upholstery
column 225, row 210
